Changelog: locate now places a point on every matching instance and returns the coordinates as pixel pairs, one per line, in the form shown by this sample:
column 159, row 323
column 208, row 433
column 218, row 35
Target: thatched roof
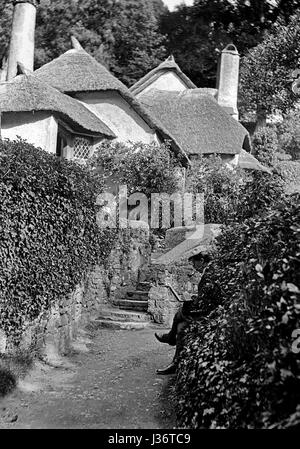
column 25, row 93
column 166, row 66
column 197, row 122
column 76, row 71
column 249, row 162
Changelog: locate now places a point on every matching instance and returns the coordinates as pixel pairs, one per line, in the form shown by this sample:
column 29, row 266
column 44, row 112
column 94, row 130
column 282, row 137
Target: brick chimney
column 22, row 36
column 228, row 80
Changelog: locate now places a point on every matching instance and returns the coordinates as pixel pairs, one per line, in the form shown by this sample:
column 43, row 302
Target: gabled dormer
column 166, row 76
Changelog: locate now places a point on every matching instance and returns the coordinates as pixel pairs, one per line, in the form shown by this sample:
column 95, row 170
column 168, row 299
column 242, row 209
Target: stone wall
column 54, row 332
column 180, row 266
column 184, row 279
column 128, row 259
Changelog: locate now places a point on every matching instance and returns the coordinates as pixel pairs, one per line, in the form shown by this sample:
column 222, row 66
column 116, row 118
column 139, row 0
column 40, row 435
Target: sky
column 172, row 3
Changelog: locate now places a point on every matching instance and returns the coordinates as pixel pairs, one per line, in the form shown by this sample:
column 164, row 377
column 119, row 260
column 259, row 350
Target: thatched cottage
column 78, row 74
column 73, row 102
column 48, row 119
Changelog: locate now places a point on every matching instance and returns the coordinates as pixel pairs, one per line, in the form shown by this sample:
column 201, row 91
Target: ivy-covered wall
column 49, row 243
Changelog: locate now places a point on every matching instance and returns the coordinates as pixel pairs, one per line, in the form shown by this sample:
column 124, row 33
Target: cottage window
column 61, row 144
column 82, row 148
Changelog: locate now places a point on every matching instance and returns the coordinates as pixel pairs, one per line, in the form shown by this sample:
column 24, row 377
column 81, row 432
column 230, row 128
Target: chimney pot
column 22, row 36
column 228, row 79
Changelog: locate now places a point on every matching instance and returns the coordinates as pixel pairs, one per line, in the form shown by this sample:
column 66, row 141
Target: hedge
column 232, row 195
column 238, row 368
column 49, row 237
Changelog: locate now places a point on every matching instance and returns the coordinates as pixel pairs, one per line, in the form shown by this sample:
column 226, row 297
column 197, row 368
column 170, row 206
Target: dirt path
column 112, row 386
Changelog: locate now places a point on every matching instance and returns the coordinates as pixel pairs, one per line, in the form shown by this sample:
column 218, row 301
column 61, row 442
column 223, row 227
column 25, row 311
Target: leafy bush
column 230, row 194
column 145, row 168
column 219, row 184
column 289, row 134
column 259, row 192
column 238, row 368
column 49, row 236
column 289, row 172
column 265, row 146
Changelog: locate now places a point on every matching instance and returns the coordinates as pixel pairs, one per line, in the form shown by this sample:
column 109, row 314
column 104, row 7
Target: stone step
column 113, row 314
column 138, row 295
column 128, row 304
column 114, row 324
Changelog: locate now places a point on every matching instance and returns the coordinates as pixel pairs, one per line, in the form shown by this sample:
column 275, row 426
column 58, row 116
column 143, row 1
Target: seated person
column 185, row 315
column 188, row 312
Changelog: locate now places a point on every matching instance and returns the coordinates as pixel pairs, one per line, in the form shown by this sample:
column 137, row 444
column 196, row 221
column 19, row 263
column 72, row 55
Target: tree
column 266, row 74
column 138, row 44
column 289, row 134
column 197, row 34
column 265, row 146
column 159, row 8
column 6, row 9
column 121, row 34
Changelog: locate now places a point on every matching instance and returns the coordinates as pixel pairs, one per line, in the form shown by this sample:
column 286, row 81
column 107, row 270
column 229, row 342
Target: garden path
column 111, row 385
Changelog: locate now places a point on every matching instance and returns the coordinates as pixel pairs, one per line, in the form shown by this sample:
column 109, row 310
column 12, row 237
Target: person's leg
column 171, row 336
column 171, row 369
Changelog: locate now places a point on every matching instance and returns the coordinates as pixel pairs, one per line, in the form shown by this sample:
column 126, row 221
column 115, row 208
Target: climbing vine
column 49, row 236
column 241, row 363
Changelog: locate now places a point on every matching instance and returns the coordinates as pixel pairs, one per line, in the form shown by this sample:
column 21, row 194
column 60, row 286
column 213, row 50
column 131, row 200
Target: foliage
column 123, row 35
column 197, row 34
column 6, row 8
column 266, row 72
column 265, row 146
column 289, row 134
column 240, row 367
column 144, row 168
column 220, row 185
column 49, row 236
column 230, row 194
column 129, row 36
column 138, row 44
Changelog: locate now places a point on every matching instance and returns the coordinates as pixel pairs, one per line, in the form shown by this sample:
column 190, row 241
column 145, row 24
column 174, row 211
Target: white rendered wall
column 119, row 116
column 167, row 81
column 39, row 128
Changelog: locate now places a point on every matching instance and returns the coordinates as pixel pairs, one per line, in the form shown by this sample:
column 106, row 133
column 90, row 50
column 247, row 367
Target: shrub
column 220, row 185
column 265, row 146
column 238, row 368
column 289, row 134
column 230, row 194
column 145, row 168
column 257, row 193
column 49, row 236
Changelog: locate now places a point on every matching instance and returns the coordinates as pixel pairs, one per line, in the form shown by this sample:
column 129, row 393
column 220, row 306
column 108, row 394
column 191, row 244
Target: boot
column 164, row 338
column 171, row 369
